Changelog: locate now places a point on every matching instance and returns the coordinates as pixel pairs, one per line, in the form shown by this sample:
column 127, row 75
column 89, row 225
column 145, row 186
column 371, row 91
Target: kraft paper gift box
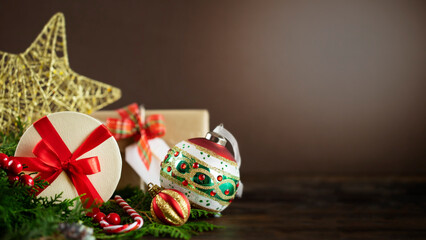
column 180, row 125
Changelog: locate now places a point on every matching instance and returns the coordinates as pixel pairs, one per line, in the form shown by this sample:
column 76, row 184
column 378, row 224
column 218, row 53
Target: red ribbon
column 53, row 157
column 131, row 125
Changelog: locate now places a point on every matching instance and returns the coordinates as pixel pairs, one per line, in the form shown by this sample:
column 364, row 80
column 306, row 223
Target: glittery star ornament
column 40, row 81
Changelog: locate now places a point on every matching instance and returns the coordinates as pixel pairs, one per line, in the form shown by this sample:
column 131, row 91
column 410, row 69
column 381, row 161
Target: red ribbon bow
column 53, row 157
column 131, row 125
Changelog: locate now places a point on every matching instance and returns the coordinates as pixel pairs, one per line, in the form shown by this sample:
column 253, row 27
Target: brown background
column 306, row 86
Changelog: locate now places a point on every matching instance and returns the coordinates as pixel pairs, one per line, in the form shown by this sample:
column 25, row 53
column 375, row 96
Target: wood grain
column 326, row 207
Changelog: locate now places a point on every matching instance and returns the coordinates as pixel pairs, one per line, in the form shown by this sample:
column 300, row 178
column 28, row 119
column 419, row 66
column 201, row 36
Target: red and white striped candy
column 109, row 228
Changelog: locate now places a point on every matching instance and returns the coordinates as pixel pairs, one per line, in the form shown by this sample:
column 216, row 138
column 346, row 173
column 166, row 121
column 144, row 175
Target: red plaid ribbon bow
column 131, row 125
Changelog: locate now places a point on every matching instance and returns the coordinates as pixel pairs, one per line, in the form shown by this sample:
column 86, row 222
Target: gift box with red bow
column 75, row 153
column 144, row 137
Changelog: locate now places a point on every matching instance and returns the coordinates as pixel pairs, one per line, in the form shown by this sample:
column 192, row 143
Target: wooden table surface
column 326, row 207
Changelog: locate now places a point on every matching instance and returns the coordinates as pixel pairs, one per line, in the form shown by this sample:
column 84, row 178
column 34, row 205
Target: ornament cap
column 153, row 189
column 216, row 138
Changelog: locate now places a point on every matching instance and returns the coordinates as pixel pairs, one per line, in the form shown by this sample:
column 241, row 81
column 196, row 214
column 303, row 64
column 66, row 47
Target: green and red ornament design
column 205, row 171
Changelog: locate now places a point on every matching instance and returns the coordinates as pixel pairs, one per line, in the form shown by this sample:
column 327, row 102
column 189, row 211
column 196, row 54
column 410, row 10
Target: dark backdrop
column 306, row 86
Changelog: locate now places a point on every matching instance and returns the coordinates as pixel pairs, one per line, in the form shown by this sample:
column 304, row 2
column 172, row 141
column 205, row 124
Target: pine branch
column 199, row 213
column 23, row 215
column 9, row 141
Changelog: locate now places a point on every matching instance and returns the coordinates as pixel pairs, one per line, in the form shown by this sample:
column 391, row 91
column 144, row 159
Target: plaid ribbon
column 131, row 125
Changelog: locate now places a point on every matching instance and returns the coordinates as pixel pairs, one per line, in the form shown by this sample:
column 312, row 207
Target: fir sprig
column 199, row 213
column 23, row 215
column 141, row 202
column 9, row 141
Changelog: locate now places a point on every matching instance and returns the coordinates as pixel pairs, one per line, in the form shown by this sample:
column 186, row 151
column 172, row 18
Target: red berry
column 15, row 167
column 226, row 191
column 176, row 154
column 195, row 165
column 238, row 184
column 201, row 177
column 219, row 178
column 212, row 193
column 8, row 164
column 93, row 212
column 166, row 156
column 230, row 200
column 98, row 217
column 185, row 183
column 4, row 159
column 169, row 169
column 12, row 177
column 183, row 166
column 113, row 218
column 27, row 180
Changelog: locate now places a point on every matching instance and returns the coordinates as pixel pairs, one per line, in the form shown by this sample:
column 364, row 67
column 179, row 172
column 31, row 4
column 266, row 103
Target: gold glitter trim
column 170, row 178
column 188, row 177
column 177, row 149
column 153, row 212
column 213, row 154
column 181, row 201
column 167, row 210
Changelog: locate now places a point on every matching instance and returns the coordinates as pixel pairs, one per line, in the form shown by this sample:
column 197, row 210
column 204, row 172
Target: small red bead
column 183, row 166
column 176, row 154
column 195, row 165
column 230, row 200
column 113, row 218
column 27, row 180
column 212, row 193
column 185, row 183
column 219, row 178
column 169, row 169
column 226, row 191
column 4, row 159
column 201, row 177
column 15, row 167
column 238, row 184
column 98, row 217
column 13, row 177
column 166, row 156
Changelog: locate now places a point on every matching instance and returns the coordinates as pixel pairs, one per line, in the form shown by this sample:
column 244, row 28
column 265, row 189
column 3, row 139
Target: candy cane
column 109, row 228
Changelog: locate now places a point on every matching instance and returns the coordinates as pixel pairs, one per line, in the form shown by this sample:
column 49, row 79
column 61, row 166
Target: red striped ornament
column 170, row 207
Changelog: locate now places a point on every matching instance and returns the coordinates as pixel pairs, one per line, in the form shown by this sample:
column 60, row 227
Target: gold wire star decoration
column 40, row 81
